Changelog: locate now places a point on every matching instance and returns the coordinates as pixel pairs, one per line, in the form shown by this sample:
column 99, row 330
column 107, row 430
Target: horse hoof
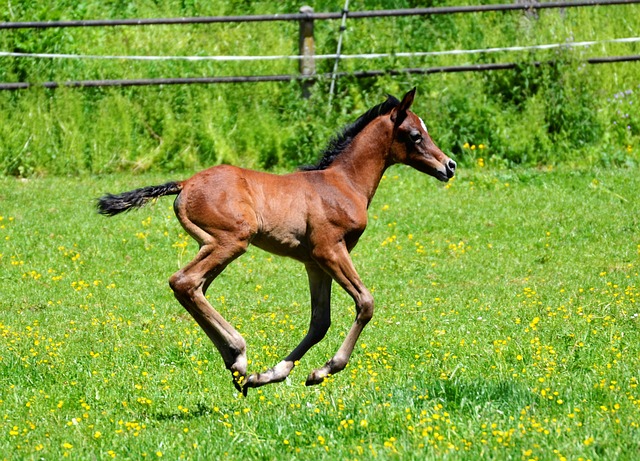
column 314, row 378
column 240, row 382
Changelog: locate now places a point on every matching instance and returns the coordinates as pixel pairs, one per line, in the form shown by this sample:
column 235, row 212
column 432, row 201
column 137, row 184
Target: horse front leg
column 337, row 262
column 320, row 288
column 189, row 286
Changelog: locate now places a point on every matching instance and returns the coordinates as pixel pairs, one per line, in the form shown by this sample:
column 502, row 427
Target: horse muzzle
column 450, row 168
column 447, row 171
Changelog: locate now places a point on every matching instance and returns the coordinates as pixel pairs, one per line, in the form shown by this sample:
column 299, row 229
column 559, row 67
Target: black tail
column 110, row 205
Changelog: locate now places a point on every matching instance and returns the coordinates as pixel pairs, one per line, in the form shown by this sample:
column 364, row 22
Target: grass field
column 506, row 326
column 562, row 112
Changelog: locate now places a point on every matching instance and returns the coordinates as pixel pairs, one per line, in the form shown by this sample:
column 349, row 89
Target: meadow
column 530, row 115
column 506, row 322
column 506, row 327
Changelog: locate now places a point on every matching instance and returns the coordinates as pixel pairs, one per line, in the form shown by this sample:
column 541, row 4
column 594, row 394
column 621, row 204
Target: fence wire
column 343, row 15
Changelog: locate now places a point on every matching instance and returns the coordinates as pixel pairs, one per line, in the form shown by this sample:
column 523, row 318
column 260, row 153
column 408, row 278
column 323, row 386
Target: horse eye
column 415, row 137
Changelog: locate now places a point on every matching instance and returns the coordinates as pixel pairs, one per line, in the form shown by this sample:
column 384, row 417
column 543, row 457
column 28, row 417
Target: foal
column 315, row 216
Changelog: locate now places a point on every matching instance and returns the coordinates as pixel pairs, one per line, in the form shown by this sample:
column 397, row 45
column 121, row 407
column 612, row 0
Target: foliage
column 506, row 327
column 544, row 111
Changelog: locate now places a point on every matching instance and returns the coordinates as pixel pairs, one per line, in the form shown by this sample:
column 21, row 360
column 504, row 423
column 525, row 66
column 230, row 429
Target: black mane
column 339, row 143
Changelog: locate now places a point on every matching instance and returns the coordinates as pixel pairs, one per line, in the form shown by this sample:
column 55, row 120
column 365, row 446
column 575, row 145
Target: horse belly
column 283, row 244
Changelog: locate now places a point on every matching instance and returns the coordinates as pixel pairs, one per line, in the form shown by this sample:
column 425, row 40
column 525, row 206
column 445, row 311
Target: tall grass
column 550, row 114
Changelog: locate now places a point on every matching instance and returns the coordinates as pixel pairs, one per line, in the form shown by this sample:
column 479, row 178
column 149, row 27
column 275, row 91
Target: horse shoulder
column 335, row 211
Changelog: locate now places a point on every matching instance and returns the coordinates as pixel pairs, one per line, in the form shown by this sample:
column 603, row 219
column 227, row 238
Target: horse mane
column 340, row 142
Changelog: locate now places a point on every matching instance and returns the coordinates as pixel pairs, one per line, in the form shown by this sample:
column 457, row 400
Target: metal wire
column 289, row 78
column 312, row 16
column 343, row 28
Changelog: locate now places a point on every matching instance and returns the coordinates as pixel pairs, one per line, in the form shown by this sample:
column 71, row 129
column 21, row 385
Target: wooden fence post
column 530, row 13
column 307, row 49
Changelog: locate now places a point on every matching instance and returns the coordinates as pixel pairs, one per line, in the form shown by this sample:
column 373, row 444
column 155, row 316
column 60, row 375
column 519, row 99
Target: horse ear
column 400, row 113
column 407, row 100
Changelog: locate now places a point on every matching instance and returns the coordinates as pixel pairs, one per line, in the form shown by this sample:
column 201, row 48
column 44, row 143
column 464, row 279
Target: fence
column 306, row 56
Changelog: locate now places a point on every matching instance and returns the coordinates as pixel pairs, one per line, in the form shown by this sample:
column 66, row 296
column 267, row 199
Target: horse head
column 412, row 144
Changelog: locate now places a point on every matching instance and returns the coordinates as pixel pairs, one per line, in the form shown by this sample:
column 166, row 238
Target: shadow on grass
column 503, row 395
column 200, row 411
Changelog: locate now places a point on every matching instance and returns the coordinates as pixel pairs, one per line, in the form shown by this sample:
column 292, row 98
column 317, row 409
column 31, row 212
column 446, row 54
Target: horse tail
column 111, row 205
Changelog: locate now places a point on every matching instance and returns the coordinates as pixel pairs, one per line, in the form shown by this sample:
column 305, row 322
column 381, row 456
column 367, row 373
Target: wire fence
column 529, row 6
column 307, row 56
column 412, row 54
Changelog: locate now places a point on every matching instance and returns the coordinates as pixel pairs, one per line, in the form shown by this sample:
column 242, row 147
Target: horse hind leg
column 189, row 286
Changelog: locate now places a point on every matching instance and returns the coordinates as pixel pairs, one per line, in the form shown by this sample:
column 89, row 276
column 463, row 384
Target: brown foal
column 315, row 215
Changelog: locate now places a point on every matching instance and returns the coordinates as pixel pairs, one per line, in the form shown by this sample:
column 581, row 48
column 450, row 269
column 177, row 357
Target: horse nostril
column 452, row 165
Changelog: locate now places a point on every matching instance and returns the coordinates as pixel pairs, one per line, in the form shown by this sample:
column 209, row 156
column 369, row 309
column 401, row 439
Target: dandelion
column 534, row 323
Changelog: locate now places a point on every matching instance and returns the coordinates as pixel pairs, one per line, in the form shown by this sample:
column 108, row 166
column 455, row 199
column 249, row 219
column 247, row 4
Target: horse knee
column 365, row 308
column 318, row 330
column 182, row 285
column 322, row 327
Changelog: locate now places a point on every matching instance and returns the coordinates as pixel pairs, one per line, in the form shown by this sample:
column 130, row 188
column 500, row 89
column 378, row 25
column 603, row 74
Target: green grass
column 506, row 327
column 568, row 112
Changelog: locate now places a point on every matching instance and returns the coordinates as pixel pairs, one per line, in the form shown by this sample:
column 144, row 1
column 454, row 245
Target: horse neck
column 365, row 160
